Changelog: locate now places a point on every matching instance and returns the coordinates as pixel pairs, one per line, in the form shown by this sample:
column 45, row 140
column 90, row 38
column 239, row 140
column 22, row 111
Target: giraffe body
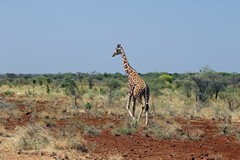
column 137, row 88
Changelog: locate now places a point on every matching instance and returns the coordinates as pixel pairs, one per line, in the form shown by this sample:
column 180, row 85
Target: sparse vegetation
column 195, row 134
column 8, row 93
column 115, row 157
column 127, row 128
column 65, row 142
column 238, row 134
column 164, row 130
column 34, row 137
column 226, row 129
column 91, row 130
column 61, row 112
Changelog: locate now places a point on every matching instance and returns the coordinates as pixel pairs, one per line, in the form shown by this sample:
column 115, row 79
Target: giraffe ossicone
column 137, row 88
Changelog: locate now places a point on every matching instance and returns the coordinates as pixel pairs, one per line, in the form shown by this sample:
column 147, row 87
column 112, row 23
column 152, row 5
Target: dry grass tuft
column 91, row 130
column 195, row 134
column 3, row 131
column 33, row 137
column 71, row 143
column 127, row 128
column 115, row 157
column 226, row 129
column 164, row 130
column 238, row 134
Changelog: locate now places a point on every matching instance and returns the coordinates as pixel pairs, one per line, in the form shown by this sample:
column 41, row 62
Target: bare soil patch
column 208, row 142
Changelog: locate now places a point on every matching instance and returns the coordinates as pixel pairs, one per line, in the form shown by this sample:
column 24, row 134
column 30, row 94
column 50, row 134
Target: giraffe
column 136, row 86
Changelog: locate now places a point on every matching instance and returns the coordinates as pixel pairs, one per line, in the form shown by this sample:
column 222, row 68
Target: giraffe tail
column 146, row 96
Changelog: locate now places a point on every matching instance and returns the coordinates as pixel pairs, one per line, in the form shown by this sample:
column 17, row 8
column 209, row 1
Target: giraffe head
column 118, row 50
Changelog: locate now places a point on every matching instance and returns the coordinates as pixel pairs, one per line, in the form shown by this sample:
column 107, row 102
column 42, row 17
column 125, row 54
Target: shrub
column 50, row 123
column 231, row 97
column 91, row 130
column 238, row 134
column 226, row 129
column 8, row 93
column 71, row 89
column 126, row 129
column 88, row 106
column 48, row 89
column 69, row 137
column 34, row 137
column 195, row 134
column 164, row 131
column 4, row 104
column 3, row 131
column 73, row 143
column 112, row 86
column 30, row 93
column 95, row 113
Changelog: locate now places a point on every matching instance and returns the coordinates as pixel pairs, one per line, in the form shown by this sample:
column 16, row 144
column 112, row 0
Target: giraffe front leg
column 128, row 105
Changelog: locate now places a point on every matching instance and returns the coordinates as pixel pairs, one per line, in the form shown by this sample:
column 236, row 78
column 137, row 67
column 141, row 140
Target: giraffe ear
column 118, row 45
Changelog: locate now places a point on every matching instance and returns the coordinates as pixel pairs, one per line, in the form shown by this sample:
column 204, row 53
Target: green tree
column 155, row 88
column 112, row 85
column 185, row 83
column 71, row 89
column 166, row 78
column 218, row 83
column 10, row 78
column 202, row 86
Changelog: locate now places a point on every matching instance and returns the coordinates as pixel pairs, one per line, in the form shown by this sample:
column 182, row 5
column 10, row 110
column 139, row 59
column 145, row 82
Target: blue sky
column 157, row 35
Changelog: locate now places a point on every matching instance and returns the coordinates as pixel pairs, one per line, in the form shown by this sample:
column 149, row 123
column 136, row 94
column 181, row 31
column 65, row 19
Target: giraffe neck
column 126, row 65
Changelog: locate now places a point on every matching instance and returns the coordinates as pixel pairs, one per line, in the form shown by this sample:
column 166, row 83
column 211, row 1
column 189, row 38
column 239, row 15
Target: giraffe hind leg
column 139, row 99
column 146, row 97
column 134, row 106
column 146, row 112
column 140, row 114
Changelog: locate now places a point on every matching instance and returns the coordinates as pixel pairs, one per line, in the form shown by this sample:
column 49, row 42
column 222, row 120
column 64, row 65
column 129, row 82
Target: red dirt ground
column 138, row 146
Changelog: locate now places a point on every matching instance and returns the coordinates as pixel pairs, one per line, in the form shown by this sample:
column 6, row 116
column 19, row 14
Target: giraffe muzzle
column 114, row 54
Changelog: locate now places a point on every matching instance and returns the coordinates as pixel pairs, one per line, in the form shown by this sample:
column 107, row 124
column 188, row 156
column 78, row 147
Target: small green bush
column 88, row 106
column 50, row 124
column 8, row 93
